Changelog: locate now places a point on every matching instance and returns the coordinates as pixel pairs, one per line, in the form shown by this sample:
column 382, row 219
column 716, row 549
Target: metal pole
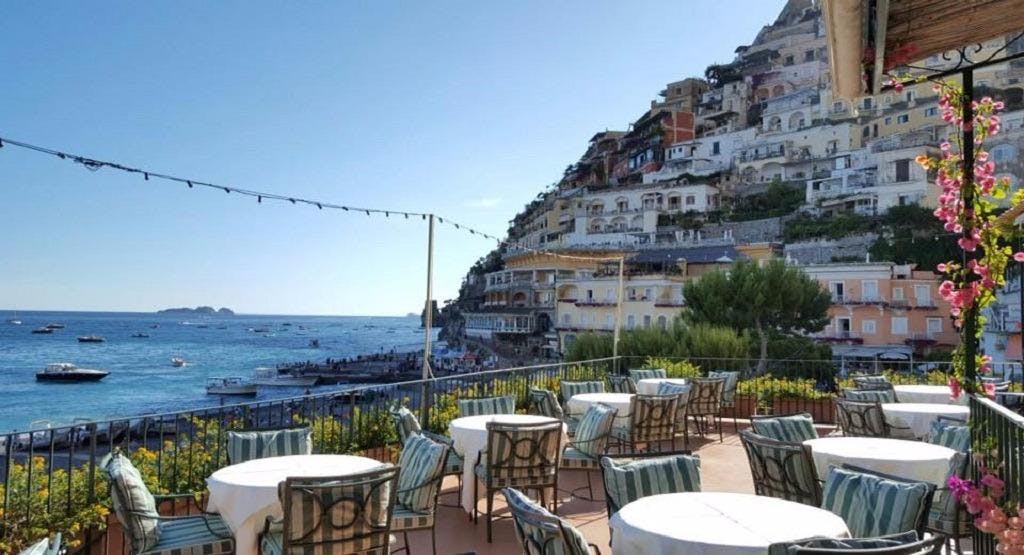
column 428, row 324
column 970, row 335
column 618, row 316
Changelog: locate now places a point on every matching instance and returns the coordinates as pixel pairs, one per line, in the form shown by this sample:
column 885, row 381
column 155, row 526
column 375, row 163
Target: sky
column 460, row 108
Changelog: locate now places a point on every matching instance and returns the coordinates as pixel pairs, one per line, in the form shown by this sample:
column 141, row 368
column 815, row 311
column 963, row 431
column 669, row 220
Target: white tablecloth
column 914, row 460
column 938, row 394
column 245, row 494
column 649, row 386
column 578, row 404
column 469, row 438
column 716, row 524
column 919, row 416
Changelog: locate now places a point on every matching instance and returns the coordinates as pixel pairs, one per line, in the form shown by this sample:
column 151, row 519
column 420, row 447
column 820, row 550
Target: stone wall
column 822, row 251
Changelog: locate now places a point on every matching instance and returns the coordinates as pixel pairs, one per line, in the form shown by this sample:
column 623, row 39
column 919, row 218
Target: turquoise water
column 142, row 379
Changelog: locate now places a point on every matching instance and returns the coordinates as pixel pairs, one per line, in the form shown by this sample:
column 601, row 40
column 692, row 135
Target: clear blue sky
column 466, row 109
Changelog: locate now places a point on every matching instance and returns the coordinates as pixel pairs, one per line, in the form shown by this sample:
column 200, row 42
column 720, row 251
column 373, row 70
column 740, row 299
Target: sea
column 142, row 379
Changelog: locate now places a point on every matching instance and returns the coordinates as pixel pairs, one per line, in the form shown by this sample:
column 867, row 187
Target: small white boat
column 269, row 377
column 230, row 386
column 178, row 362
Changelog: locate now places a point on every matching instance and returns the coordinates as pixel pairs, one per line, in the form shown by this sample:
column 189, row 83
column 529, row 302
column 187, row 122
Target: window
column 869, row 289
column 923, row 295
column 567, row 319
column 867, row 327
column 647, row 321
column 690, row 200
column 590, row 294
column 788, row 61
column 909, row 95
column 897, row 293
column 609, row 322
column 888, row 120
column 838, row 106
column 866, row 132
column 808, row 55
column 609, row 294
column 899, row 325
column 630, row 322
column 662, row 322
column 1003, row 153
column 837, row 289
column 934, row 325
column 648, row 294
column 902, row 171
column 931, row 112
column 715, row 148
column 843, row 327
column 902, row 118
column 867, row 103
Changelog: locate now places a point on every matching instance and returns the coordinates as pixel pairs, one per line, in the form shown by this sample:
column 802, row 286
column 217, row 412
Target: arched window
column 622, row 204
column 662, row 322
column 797, row 121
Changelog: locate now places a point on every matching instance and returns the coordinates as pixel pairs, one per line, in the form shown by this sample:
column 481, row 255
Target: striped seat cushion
column 647, row 373
column 795, row 428
column 593, row 430
column 405, row 518
column 879, row 381
column 954, row 435
column 132, row 502
column 622, row 384
column 487, row 405
column 405, row 422
column 248, row 445
column 421, row 461
column 729, row 388
column 569, row 389
column 198, row 535
column 575, row 459
column 626, row 480
column 871, row 395
column 546, row 403
column 542, row 529
column 521, row 477
column 872, row 505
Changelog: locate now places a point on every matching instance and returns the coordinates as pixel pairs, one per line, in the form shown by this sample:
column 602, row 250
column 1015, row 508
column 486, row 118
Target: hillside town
column 755, row 160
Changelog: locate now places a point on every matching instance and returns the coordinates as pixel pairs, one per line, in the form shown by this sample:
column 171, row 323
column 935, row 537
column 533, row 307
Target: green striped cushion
column 487, row 405
column 647, row 374
column 628, row 480
column 248, row 445
column 879, row 381
column 545, row 532
column 622, row 384
column 406, row 423
column 953, row 435
column 575, row 388
column 729, row 389
column 406, row 519
column 592, row 431
column 198, row 535
column 795, row 428
column 133, row 503
column 546, row 403
column 872, row 505
column 871, row 395
column 577, row 459
column 421, row 460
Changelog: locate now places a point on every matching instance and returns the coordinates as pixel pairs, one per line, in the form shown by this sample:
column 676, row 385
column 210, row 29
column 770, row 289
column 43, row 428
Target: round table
column 932, row 394
column 716, row 523
column 649, row 386
column 469, row 438
column 578, row 404
column 913, row 460
column 919, row 416
column 245, row 494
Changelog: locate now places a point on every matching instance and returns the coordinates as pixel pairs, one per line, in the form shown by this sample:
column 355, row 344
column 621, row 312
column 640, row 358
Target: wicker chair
column 705, row 404
column 522, row 456
column 862, row 419
column 622, row 384
column 652, row 420
column 246, row 445
column 782, row 469
column 334, row 514
column 540, row 532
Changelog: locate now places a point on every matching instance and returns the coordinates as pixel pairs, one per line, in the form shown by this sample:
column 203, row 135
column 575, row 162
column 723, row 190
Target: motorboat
column 230, row 386
column 55, row 326
column 263, row 329
column 90, row 339
column 270, row 377
column 43, row 331
column 67, row 372
column 314, row 343
column 178, row 362
column 140, row 335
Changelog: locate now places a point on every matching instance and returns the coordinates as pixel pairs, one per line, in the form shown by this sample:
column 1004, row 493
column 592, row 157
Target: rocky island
column 198, row 311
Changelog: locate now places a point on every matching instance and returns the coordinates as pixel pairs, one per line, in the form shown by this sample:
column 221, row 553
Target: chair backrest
column 246, row 445
column 339, row 514
column 732, row 378
column 523, row 451
column 652, row 417
column 647, row 373
column 872, row 382
column 952, row 433
column 487, row 405
column 630, row 477
column 871, row 395
column 539, row 531
column 861, row 419
column 874, row 504
column 793, row 428
column 544, row 402
column 422, row 466
column 622, row 384
column 569, row 389
column 706, row 396
column 594, row 429
column 895, row 544
column 682, row 393
column 406, row 423
column 782, row 469
column 948, row 515
column 132, row 502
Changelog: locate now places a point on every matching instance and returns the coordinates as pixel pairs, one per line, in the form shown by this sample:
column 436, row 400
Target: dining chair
column 421, row 472
column 487, row 405
column 871, row 382
column 633, row 476
column 732, row 379
column 870, row 395
column 652, row 420
column 895, row 544
column 249, row 444
column 948, row 517
column 705, row 404
column 541, row 533
column 862, row 419
column 147, row 532
column 782, row 469
column 585, row 449
column 522, row 456
column 682, row 393
column 647, row 374
column 349, row 514
column 622, row 384
column 45, row 546
column 853, row 493
column 408, row 425
column 569, row 389
column 794, row 428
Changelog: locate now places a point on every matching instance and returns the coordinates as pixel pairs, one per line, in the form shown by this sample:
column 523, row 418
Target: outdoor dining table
column 245, row 494
column 578, row 404
column 937, row 394
column 469, row 438
column 649, row 386
column 919, row 416
column 913, row 460
column 716, row 524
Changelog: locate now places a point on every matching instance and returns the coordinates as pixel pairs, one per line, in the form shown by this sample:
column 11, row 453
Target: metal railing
column 995, row 426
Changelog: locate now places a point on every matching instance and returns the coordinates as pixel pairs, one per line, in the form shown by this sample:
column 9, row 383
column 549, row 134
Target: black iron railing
column 993, row 426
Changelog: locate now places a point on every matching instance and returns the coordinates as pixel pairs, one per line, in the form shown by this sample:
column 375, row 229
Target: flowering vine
column 985, row 502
